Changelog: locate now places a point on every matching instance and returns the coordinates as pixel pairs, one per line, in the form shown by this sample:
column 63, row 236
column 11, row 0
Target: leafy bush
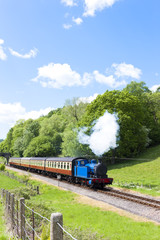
column 24, row 192
column 2, row 167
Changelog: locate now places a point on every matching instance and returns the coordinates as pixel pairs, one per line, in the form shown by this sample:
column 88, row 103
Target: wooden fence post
column 2, row 194
column 22, row 218
column 56, row 233
column 9, row 203
column 12, row 211
column 6, row 202
column 38, row 190
column 17, row 218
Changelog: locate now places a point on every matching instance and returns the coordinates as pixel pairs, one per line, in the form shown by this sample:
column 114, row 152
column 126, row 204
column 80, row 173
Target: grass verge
column 143, row 173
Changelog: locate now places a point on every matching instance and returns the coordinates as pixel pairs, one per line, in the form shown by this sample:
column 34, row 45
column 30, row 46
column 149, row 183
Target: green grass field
column 144, row 172
column 83, row 221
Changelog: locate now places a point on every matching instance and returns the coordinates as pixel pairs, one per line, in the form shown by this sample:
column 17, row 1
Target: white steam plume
column 103, row 136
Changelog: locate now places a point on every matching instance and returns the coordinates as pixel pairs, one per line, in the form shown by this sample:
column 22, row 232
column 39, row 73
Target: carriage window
column 58, row 165
column 67, row 165
column 61, row 165
column 64, row 165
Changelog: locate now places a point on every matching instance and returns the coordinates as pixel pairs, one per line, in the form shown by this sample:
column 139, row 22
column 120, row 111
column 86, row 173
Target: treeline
column 138, row 115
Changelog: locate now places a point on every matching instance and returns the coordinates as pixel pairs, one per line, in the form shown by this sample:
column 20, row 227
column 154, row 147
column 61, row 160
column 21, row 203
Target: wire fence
column 21, row 219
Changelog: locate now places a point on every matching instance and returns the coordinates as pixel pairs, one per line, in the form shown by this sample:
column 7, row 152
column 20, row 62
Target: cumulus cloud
column 126, row 70
column 87, row 99
column 78, row 21
column 69, row 3
column 154, row 88
column 12, row 112
column 91, row 6
column 32, row 53
column 3, row 56
column 108, row 80
column 60, row 75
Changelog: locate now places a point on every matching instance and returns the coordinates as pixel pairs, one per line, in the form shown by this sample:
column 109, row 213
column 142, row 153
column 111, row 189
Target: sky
column 54, row 50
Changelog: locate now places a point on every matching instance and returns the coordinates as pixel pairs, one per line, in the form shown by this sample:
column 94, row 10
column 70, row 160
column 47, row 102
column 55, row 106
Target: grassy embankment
column 83, row 221
column 144, row 172
column 6, row 183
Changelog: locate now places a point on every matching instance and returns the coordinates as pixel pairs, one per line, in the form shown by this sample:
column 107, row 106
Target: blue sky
column 53, row 50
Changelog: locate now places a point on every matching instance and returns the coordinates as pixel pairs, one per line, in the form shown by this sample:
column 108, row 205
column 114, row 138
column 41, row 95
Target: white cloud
column 67, row 26
column 70, row 3
column 87, row 99
column 154, row 88
column 91, row 6
column 3, row 56
column 12, row 112
column 126, row 70
column 78, row 21
column 1, row 41
column 60, row 75
column 32, row 53
column 111, row 81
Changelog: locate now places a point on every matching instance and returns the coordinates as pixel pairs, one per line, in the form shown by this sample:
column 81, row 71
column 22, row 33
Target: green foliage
column 71, row 145
column 40, row 146
column 73, row 110
column 2, row 167
column 133, row 135
column 24, row 192
column 45, row 232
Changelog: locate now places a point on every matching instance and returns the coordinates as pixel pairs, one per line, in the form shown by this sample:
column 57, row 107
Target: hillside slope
column 142, row 174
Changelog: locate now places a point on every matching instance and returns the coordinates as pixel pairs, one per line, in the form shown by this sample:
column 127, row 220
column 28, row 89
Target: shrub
column 2, row 167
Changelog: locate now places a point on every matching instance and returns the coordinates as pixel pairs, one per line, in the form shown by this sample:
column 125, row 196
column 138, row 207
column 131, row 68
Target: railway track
column 121, row 194
column 132, row 197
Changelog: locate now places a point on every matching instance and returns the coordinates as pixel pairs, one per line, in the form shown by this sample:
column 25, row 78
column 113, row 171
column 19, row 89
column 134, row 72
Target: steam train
column 76, row 170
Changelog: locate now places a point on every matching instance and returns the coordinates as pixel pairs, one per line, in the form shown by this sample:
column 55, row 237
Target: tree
column 73, row 110
column 133, row 134
column 40, row 146
column 71, row 145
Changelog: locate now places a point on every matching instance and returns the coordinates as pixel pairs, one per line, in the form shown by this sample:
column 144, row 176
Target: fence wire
column 16, row 216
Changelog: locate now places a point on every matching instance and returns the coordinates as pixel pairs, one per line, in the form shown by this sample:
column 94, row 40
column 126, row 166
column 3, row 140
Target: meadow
column 144, row 172
column 81, row 220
